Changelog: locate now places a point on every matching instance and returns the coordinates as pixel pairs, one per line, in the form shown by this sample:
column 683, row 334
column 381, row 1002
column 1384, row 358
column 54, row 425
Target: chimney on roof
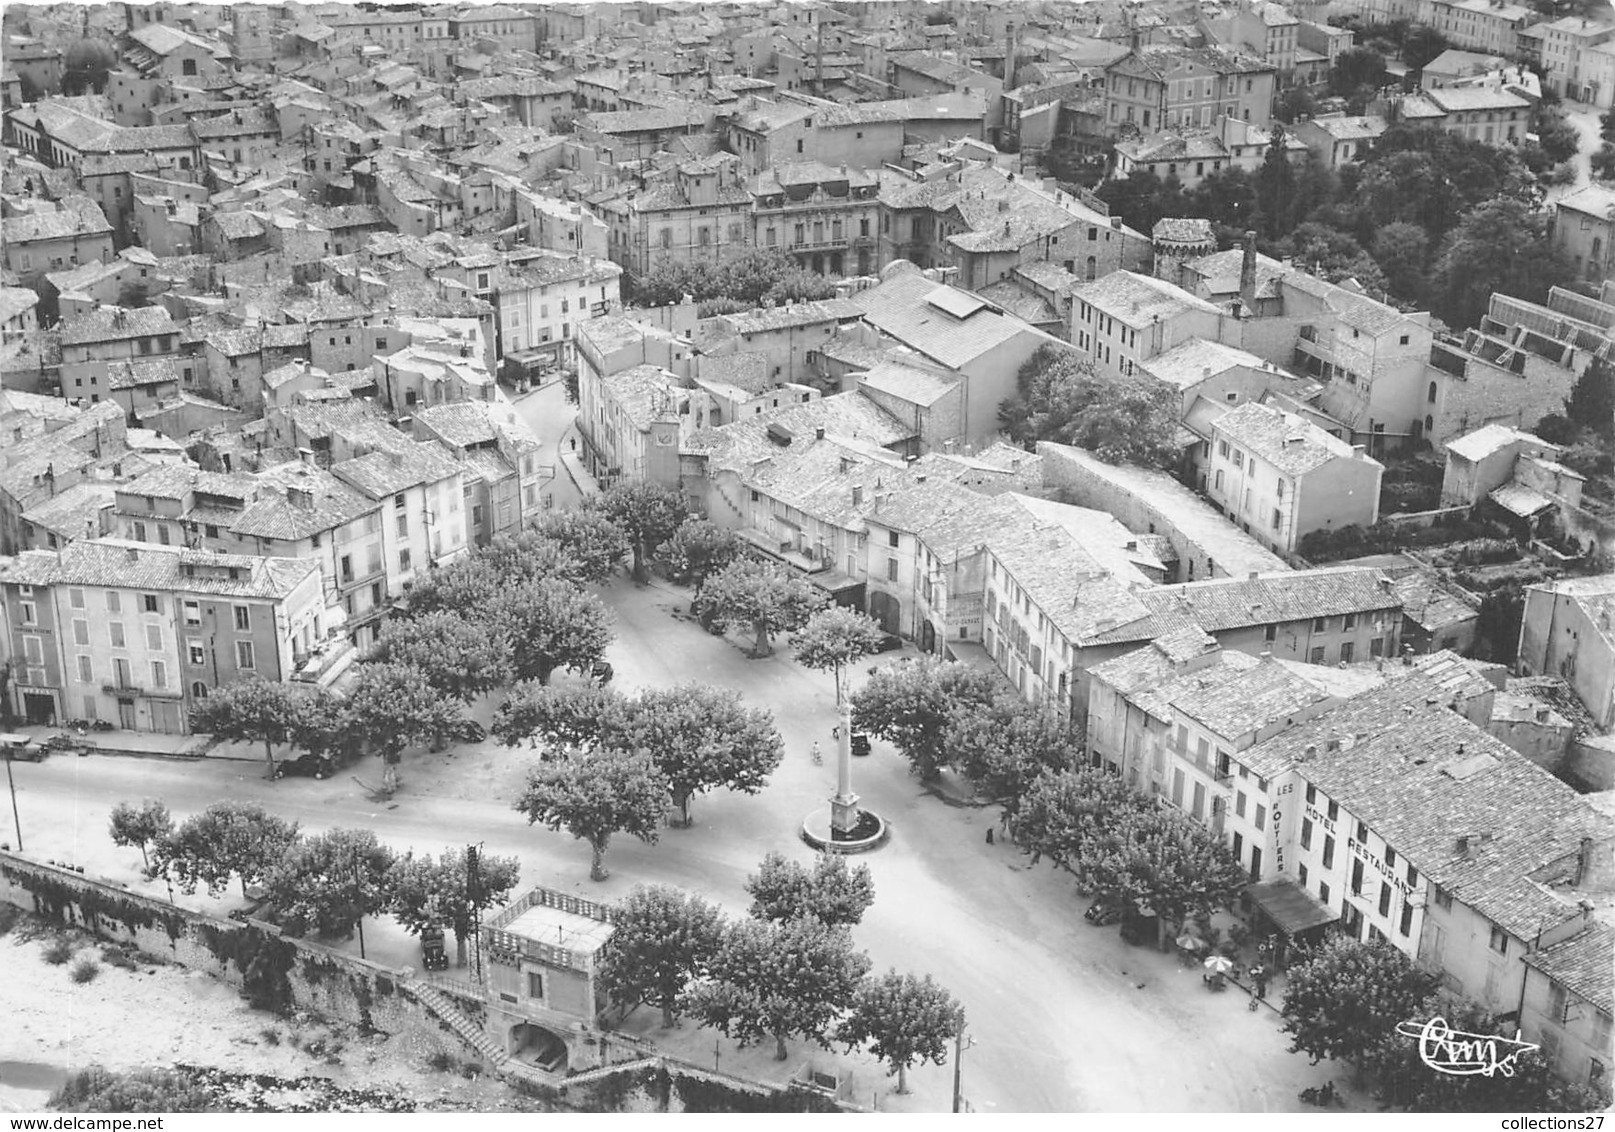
column 818, row 433
column 857, row 494
column 1584, row 862
column 132, row 553
column 1247, row 272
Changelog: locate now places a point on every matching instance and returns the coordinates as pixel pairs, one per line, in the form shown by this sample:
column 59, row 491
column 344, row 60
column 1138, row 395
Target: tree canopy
column 646, row 513
column 552, row 624
column 662, row 940
column 328, row 883
column 750, row 279
column 766, row 596
column 699, row 549
column 832, row 892
column 461, row 659
column 140, row 827
column 239, row 839
column 395, row 706
column 441, row 892
column 596, row 794
column 833, row 638
column 700, row 737
column 590, row 538
column 250, row 710
column 1060, row 397
column 904, row 1021
column 777, row 981
column 1500, row 246
column 910, row 704
column 1348, row 997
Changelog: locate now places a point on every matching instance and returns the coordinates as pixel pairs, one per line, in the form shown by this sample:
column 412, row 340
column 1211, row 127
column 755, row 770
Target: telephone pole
column 959, row 1047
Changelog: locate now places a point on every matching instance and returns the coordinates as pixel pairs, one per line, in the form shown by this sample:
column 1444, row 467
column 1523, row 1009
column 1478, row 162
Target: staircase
column 468, row 1031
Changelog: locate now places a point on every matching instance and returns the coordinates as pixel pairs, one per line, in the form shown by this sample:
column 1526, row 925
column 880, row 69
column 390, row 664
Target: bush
column 85, row 970
column 116, row 957
column 148, row 1090
column 59, row 952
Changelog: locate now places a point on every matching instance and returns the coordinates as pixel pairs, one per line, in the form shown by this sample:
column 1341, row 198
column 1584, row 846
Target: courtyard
column 1063, row 1016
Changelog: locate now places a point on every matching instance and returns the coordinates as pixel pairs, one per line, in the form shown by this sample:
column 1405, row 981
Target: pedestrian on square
column 989, row 835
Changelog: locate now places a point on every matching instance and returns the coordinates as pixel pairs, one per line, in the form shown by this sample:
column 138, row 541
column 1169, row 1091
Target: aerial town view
column 808, row 556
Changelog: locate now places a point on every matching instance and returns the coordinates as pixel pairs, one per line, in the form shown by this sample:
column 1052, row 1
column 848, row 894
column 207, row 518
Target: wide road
column 1064, row 1016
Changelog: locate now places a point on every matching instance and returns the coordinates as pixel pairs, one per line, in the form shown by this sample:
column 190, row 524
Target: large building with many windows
column 824, row 216
column 702, row 214
column 136, row 635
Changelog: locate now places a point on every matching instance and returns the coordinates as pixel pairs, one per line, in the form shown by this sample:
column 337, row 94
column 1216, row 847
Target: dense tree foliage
column 699, row 549
column 903, row 1020
column 911, row 705
column 551, row 624
column 331, row 881
column 662, row 940
column 239, row 839
column 443, row 893
column 647, row 514
column 250, row 710
column 1499, row 246
column 140, row 827
column 569, row 716
column 1002, row 747
column 832, row 891
column 750, row 279
column 1121, row 419
column 834, row 638
column 765, row 596
column 589, row 538
column 777, row 981
column 395, row 706
column 700, row 737
column 593, row 795
column 460, row 659
column 1348, row 997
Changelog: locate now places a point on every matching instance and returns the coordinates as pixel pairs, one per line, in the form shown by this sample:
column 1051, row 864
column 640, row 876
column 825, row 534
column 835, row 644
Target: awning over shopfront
column 1289, row 906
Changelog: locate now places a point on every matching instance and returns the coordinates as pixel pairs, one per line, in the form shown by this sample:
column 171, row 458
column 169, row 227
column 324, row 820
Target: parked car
column 469, row 731
column 1102, row 914
column 305, row 766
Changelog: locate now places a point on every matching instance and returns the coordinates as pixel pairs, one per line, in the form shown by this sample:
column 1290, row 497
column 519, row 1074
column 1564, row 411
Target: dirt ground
column 161, row 1014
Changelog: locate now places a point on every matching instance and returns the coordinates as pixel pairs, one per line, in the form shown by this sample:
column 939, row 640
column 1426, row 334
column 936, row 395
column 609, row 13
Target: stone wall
column 274, row 972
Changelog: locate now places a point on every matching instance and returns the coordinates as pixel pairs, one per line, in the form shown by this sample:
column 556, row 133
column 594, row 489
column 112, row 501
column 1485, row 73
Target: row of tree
column 1430, row 218
column 1121, row 845
column 787, row 970
column 325, row 884
column 755, row 277
column 1347, row 1000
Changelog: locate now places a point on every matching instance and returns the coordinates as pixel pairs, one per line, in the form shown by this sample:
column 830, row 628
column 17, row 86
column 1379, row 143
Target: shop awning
column 1290, row 906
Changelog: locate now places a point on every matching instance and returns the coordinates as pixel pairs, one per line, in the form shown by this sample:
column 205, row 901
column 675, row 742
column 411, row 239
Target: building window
column 195, row 654
column 113, row 604
column 1306, row 833
column 154, row 638
column 86, row 670
column 1346, row 651
column 81, row 632
column 1499, row 941
column 1323, row 892
column 535, row 985
column 149, row 603
column 1328, row 852
column 891, row 569
column 1385, row 900
column 243, row 618
column 75, row 598
column 1317, row 655
column 244, row 656
column 115, row 631
column 159, row 674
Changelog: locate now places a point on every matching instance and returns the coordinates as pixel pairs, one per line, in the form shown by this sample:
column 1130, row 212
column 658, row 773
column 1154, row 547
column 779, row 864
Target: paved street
column 549, row 414
column 1065, row 1016
column 1586, row 119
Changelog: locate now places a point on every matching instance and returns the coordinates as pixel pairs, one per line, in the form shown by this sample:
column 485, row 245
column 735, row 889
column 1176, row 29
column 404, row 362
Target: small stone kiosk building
column 540, row 961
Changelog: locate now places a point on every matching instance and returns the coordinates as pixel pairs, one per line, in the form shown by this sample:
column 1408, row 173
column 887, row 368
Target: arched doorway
column 538, row 1046
column 886, row 610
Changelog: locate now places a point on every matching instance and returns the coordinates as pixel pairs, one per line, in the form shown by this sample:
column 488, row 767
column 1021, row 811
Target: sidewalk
column 148, row 744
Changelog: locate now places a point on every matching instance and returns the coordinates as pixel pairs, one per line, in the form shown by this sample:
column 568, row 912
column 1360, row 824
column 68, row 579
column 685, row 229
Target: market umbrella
column 1190, row 942
column 1221, row 964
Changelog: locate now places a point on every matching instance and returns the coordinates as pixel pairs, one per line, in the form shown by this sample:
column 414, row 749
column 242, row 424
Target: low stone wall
column 274, row 972
column 1420, row 520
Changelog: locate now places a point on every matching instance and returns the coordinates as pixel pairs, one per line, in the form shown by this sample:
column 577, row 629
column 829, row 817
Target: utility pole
column 15, row 820
column 959, row 1047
